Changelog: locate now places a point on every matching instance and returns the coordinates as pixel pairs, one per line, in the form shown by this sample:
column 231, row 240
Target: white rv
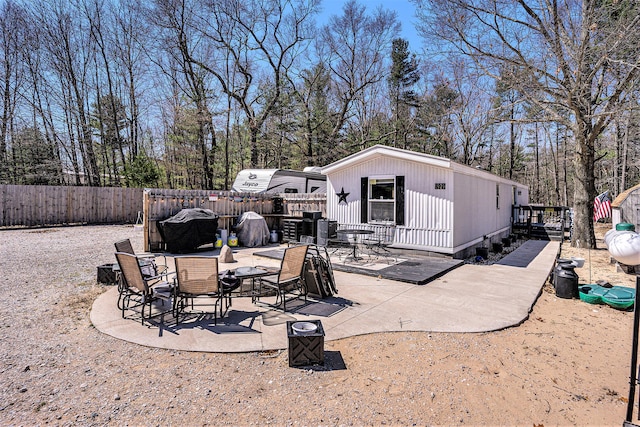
column 280, row 181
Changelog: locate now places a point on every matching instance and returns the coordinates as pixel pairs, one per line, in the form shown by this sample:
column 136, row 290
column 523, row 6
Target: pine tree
column 404, row 75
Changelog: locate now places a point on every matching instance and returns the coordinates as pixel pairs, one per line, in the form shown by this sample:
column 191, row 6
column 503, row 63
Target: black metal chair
column 143, row 290
column 377, row 245
column 288, row 279
column 147, row 261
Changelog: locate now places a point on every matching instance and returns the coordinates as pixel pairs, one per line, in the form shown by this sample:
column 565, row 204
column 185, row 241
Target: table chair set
column 354, row 244
column 198, row 287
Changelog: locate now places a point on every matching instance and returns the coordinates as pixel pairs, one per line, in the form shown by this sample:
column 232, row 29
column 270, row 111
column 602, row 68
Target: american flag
column 602, row 206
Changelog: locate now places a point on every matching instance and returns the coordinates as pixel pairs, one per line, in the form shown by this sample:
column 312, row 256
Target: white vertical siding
column 444, row 220
column 476, row 212
column 428, row 212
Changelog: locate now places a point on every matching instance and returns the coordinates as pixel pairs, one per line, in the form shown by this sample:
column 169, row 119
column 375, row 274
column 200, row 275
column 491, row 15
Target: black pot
column 230, row 282
column 483, row 252
column 566, row 282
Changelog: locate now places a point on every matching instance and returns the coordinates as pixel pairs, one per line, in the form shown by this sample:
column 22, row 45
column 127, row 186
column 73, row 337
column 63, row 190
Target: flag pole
column 590, row 265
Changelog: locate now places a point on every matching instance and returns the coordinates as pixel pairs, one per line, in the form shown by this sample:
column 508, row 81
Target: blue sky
column 404, row 8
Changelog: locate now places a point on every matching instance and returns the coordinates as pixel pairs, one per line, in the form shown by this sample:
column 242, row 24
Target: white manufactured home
column 429, row 202
column 279, row 181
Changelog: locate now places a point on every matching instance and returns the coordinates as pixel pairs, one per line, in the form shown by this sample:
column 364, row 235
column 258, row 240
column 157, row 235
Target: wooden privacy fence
column 41, row 205
column 160, row 204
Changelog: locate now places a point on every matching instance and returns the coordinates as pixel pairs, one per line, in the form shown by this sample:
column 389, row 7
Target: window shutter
column 364, row 200
column 399, row 200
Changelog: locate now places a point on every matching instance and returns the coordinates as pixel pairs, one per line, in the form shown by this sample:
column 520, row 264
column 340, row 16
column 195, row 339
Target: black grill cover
column 188, row 229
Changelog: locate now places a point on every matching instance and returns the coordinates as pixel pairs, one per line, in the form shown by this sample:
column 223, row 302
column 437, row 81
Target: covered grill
column 189, row 229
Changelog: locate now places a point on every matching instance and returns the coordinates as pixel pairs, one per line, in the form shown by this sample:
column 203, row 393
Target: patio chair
column 143, row 289
column 377, row 245
column 147, row 261
column 288, row 279
column 339, row 246
column 197, row 278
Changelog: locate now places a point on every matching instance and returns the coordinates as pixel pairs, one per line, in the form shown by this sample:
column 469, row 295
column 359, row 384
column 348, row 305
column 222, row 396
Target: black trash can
column 566, row 281
column 559, row 264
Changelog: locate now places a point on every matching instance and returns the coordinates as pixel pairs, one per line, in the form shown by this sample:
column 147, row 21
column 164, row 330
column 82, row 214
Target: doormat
column 524, row 254
column 322, row 309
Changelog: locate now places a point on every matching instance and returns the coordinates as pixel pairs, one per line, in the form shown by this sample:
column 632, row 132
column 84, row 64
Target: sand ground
column 568, row 364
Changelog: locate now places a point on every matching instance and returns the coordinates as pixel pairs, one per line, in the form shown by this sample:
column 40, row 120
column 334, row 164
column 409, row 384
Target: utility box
column 327, row 230
column 306, row 348
column 106, row 274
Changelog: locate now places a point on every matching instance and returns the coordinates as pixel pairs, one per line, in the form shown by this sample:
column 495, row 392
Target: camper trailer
column 280, row 181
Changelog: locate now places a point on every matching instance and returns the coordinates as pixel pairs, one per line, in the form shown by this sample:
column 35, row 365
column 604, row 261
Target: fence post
column 145, row 220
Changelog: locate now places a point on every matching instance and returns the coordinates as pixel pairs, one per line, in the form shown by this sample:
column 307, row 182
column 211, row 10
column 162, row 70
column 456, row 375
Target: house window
column 382, row 200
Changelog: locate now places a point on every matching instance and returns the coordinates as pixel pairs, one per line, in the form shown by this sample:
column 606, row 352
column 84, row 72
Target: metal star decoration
column 342, row 196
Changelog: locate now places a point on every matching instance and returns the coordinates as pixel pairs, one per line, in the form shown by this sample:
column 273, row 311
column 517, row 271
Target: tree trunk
column 227, row 138
column 537, row 165
column 584, row 191
column 512, row 145
column 565, row 156
column 556, row 162
column 5, row 119
column 625, row 152
column 254, row 145
column 617, row 135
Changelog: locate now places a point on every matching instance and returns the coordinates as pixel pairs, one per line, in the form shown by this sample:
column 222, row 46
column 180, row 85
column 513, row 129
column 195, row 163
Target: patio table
column 356, row 233
column 250, row 273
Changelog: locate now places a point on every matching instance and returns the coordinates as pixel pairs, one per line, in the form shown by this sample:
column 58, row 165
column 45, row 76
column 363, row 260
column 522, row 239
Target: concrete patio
column 469, row 298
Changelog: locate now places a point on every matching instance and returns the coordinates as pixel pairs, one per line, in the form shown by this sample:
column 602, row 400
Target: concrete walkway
column 471, row 298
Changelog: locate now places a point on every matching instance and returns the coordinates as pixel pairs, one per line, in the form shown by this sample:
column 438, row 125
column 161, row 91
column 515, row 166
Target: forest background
column 185, row 93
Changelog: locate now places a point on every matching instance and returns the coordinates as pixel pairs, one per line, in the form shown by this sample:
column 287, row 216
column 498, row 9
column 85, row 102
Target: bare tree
column 355, row 47
column 254, row 33
column 14, row 38
column 183, row 44
column 68, row 49
column 471, row 113
column 575, row 57
column 314, row 114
